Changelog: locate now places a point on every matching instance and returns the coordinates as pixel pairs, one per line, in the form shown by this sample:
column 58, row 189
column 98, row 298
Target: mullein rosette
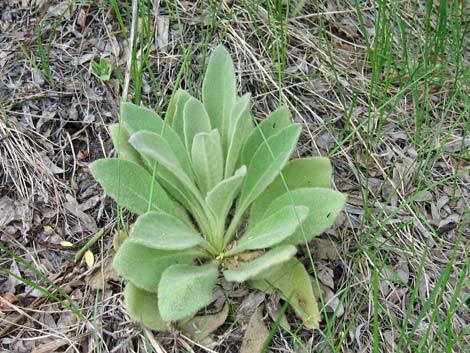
column 215, row 196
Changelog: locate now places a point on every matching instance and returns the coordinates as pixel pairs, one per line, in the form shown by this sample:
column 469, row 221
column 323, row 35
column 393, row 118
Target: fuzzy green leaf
column 251, row 269
column 242, row 125
column 120, row 137
column 156, row 147
column 324, row 205
column 207, row 159
column 294, row 284
column 144, row 266
column 143, row 307
column 298, row 173
column 161, row 231
column 266, row 164
column 130, row 185
column 274, row 122
column 185, row 289
column 137, row 119
column 219, row 92
column 221, row 197
column 196, row 120
column 272, row 230
column 177, row 122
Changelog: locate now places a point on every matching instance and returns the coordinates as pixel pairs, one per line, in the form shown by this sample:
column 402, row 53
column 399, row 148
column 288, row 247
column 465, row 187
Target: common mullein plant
column 217, row 198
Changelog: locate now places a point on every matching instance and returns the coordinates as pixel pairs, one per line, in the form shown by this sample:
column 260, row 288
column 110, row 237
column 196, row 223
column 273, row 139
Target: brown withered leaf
column 256, row 333
column 200, row 327
column 325, row 249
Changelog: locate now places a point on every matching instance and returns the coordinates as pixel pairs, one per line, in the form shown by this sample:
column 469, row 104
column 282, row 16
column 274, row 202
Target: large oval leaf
column 271, row 230
column 251, row 269
column 144, row 266
column 195, row 120
column 324, row 204
column 274, row 122
column 294, row 284
column 298, row 173
column 185, row 289
column 137, row 119
column 161, row 231
column 219, row 92
column 207, row 159
column 266, row 164
column 143, row 307
column 130, row 185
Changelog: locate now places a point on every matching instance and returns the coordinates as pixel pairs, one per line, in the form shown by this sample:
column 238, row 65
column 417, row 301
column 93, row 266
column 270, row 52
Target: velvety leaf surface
column 196, row 120
column 271, row 230
column 301, row 172
column 207, row 159
column 274, row 122
column 185, row 289
column 174, row 113
column 130, row 184
column 251, row 269
column 219, row 91
column 156, row 147
column 324, row 205
column 144, row 266
column 143, row 307
column 294, row 284
column 221, row 197
column 138, row 119
column 242, row 126
column 161, row 231
column 266, row 164
column 120, row 137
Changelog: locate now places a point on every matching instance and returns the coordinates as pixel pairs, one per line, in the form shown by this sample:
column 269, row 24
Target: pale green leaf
column 251, row 269
column 137, row 119
column 266, row 164
column 207, row 159
column 301, row 172
column 219, row 92
column 294, row 284
column 196, row 120
column 271, row 230
column 324, row 204
column 144, row 266
column 177, row 122
column 161, row 231
column 175, row 188
column 274, row 122
column 130, row 185
column 221, row 197
column 185, row 289
column 183, row 195
column 156, row 147
column 120, row 137
column 242, row 125
column 143, row 307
